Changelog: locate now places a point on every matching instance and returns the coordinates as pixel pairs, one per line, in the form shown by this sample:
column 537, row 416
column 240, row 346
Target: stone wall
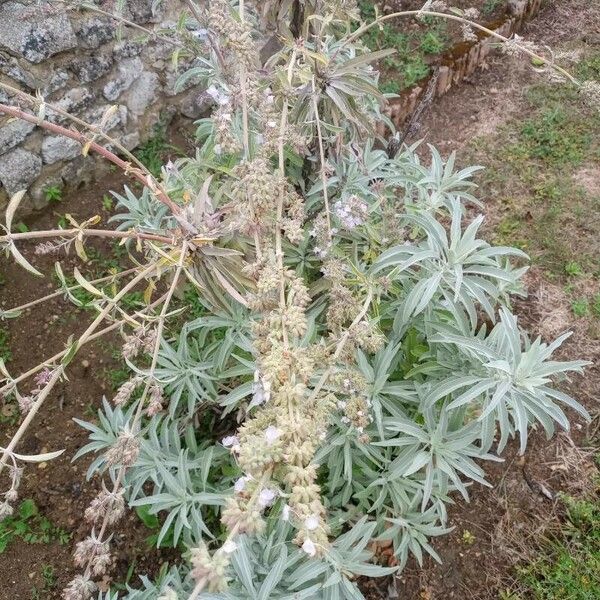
column 79, row 61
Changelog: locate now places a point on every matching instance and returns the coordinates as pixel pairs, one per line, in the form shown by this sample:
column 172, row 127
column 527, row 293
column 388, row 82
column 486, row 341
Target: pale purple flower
column 309, row 547
column 43, row 377
column 240, row 484
column 311, row 523
column 229, row 547
column 266, row 498
column 230, row 441
column 272, row 434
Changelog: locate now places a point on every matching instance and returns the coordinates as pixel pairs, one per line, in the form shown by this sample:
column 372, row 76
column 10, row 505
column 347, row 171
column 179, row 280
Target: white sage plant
column 357, row 360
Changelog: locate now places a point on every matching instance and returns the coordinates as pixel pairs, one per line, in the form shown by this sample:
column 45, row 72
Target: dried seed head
column 126, row 390
column 155, row 405
column 5, row 510
column 80, row 588
column 106, row 505
column 25, row 403
column 125, row 450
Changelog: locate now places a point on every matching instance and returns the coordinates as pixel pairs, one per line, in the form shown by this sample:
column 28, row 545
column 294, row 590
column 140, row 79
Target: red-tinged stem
column 125, row 166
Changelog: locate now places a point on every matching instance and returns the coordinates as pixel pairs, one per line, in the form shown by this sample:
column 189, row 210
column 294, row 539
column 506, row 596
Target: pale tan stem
column 278, row 224
column 141, row 173
column 428, row 13
column 7, row 452
column 86, row 335
column 119, row 18
column 321, row 157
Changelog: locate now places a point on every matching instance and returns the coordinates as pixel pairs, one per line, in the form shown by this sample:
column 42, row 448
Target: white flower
column 285, row 513
column 229, row 547
column 266, row 498
column 311, row 523
column 309, row 547
column 240, row 485
column 230, row 441
column 272, row 434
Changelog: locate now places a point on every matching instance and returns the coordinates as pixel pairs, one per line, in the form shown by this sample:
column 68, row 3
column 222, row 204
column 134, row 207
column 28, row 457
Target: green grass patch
column 409, row 64
column 29, row 526
column 569, row 565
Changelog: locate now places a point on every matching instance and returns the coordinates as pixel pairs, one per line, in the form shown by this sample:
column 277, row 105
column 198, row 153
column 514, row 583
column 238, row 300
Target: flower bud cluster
column 142, row 340
column 235, row 37
column 107, row 505
column 126, row 390
column 353, row 402
column 80, row 588
column 212, row 569
column 94, row 552
column 11, row 496
column 351, row 212
column 124, row 451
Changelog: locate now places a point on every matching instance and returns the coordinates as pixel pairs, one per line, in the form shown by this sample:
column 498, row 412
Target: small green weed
column 554, row 137
column 596, row 306
column 21, row 227
column 489, row 6
column 589, row 68
column 53, row 194
column 580, row 307
column 573, row 269
column 107, row 203
column 31, row 527
column 62, row 222
column 152, row 153
column 5, row 353
column 408, row 65
column 48, row 585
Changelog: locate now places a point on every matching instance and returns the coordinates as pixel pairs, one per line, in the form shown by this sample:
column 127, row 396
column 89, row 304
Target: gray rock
column 14, row 133
column 141, row 11
column 11, row 68
column 37, row 192
column 58, row 80
column 127, row 49
column 74, row 101
column 128, row 71
column 131, row 140
column 142, row 93
column 58, row 147
column 195, row 106
column 18, row 169
column 95, row 32
column 96, row 115
column 35, row 32
column 92, row 67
